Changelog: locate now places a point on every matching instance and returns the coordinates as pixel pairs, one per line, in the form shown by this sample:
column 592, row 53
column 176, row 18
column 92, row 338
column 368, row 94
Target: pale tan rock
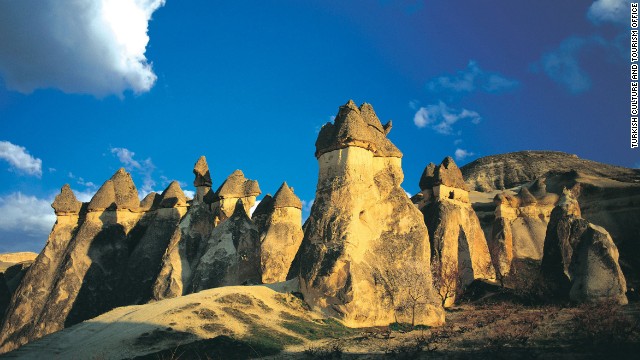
column 151, row 201
column 201, row 171
column 231, row 256
column 459, row 249
column 580, row 260
column 363, row 230
column 280, row 234
column 235, row 187
column 117, row 193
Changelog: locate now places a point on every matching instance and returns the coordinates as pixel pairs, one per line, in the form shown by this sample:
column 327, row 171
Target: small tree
column 446, row 279
column 407, row 288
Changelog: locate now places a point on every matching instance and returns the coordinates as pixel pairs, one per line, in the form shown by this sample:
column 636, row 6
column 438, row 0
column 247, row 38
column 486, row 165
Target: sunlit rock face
column 99, row 255
column 520, row 225
column 580, row 260
column 235, row 187
column 279, row 220
column 459, row 250
column 363, row 231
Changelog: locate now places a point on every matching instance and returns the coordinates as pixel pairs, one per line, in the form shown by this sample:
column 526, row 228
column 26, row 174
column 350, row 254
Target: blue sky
column 152, row 85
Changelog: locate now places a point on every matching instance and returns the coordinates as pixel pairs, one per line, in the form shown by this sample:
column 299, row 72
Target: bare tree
column 447, row 280
column 407, row 288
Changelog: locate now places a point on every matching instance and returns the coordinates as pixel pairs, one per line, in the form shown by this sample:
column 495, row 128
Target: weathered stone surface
column 427, row 180
column 235, row 187
column 231, row 255
column 459, row 250
column 117, row 193
column 93, row 261
column 526, row 198
column 280, row 234
column 506, row 171
column 173, row 196
column 363, row 233
column 151, row 201
column 580, row 260
column 201, row 171
column 184, row 252
column 66, row 201
column 13, row 266
column 262, row 212
column 356, row 127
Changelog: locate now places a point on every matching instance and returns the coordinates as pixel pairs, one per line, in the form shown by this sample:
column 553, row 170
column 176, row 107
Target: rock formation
column 13, row 266
column 280, row 233
column 231, row 256
column 459, row 251
column 506, row 171
column 202, row 182
column 99, row 256
column 364, row 235
column 580, row 260
column 234, row 188
column 520, row 225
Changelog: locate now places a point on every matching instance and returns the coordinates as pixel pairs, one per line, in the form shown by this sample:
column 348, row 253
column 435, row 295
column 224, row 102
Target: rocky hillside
column 505, row 171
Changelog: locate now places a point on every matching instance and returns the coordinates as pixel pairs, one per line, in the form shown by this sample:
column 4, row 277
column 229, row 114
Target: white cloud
column 462, row 154
column 26, row 214
column 441, row 117
column 562, row 66
column 189, row 193
column 615, row 11
column 95, row 47
column 470, row 79
column 19, row 159
column 144, row 168
column 84, row 195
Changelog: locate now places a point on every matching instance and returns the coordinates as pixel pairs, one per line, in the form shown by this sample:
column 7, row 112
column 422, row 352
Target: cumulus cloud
column 462, row 154
column 614, row 11
column 93, row 47
column 19, row 159
column 562, row 64
column 25, row 222
column 441, row 117
column 144, row 168
column 470, row 79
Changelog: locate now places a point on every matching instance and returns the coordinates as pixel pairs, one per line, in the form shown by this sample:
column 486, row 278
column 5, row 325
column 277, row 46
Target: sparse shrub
column 333, row 352
column 605, row 323
column 517, row 330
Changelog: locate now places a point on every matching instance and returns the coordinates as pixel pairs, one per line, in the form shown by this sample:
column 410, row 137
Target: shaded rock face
column 520, row 225
column 280, row 233
column 13, row 266
column 235, row 187
column 580, row 260
column 105, row 255
column 459, row 250
column 363, row 233
column 231, row 256
column 202, row 181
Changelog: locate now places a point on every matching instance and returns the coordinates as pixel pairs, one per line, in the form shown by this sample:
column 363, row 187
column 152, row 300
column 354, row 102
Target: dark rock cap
column 285, row 197
column 201, row 171
column 119, row 192
column 151, row 201
column 447, row 173
column 265, row 207
column 427, row 180
column 359, row 127
column 526, row 198
column 239, row 212
column 173, row 196
column 237, row 186
column 66, row 201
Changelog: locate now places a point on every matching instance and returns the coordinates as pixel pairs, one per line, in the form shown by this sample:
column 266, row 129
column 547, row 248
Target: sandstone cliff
column 99, row 256
column 280, row 233
column 580, row 260
column 459, row 251
column 365, row 248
